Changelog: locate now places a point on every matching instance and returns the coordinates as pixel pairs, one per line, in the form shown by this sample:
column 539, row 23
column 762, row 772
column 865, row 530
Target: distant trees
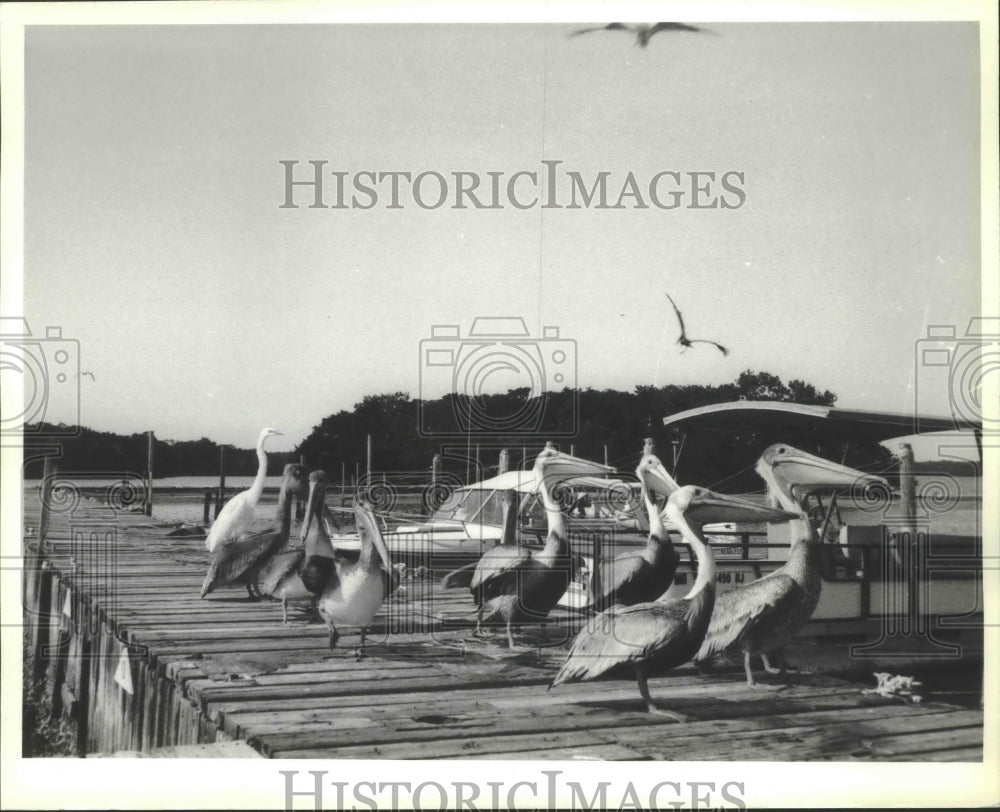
column 406, row 433
column 105, row 452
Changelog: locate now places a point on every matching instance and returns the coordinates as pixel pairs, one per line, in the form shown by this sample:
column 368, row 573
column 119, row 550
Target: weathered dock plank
column 150, row 667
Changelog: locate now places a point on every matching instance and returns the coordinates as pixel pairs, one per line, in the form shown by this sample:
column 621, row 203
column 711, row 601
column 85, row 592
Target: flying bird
column 91, row 374
column 643, row 31
column 686, row 342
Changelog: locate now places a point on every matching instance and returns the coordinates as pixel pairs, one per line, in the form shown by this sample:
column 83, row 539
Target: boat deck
column 112, row 591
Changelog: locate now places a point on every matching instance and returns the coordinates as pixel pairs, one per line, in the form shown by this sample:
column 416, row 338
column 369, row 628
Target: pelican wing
column 617, row 576
column 673, row 27
column 625, row 634
column 279, row 568
column 233, row 560
column 741, row 609
column 630, row 578
column 608, row 27
column 680, row 318
column 496, row 572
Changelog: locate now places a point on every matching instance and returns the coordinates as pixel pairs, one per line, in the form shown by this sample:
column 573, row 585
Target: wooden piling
column 220, row 498
column 208, row 508
column 149, row 473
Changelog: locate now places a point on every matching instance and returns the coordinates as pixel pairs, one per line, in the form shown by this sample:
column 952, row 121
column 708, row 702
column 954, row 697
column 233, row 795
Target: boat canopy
column 775, row 416
column 526, row 482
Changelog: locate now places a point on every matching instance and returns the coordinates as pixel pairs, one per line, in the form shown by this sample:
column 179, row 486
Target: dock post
column 368, row 468
column 343, row 480
column 208, row 507
column 605, row 453
column 908, row 531
column 435, row 469
column 49, row 471
column 149, row 473
column 222, row 481
column 907, row 487
column 300, row 506
column 503, row 464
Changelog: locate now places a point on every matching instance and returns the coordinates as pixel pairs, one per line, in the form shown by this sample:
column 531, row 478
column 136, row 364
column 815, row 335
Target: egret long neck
column 258, row 483
column 706, row 564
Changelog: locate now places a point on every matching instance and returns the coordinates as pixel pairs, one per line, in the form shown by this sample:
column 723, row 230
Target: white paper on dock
column 123, row 673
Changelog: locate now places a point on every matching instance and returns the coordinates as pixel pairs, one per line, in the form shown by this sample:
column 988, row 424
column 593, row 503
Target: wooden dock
column 124, row 651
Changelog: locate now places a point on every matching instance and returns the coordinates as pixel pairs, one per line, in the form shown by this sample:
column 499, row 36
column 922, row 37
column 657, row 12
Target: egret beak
column 701, row 506
column 809, row 473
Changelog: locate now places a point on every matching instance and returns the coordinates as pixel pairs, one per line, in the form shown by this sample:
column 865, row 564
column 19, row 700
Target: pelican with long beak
column 639, row 577
column 236, row 517
column 520, row 586
column 656, row 636
column 353, row 591
column 240, row 560
column 762, row 616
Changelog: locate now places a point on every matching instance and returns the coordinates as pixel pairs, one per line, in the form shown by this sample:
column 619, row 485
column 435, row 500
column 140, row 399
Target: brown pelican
column 353, row 591
column 638, row 577
column 662, row 634
column 237, row 515
column 762, row 616
column 240, row 560
column 643, row 31
column 517, row 585
column 686, row 342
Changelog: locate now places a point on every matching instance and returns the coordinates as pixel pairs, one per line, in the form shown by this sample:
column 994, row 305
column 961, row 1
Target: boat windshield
column 484, row 507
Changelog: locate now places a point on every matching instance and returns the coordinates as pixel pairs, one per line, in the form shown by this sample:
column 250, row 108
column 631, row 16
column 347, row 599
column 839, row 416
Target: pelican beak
column 657, row 479
column 809, row 473
column 701, row 506
column 369, row 530
column 555, row 467
column 317, row 490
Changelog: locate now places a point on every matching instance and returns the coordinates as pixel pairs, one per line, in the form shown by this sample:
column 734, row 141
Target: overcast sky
column 154, row 232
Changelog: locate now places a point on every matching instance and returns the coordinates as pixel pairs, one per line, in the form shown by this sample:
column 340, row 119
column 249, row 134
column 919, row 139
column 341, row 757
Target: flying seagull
column 91, row 374
column 643, row 31
column 686, row 342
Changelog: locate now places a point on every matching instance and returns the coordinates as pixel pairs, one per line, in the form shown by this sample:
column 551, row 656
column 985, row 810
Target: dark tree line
column 89, row 451
column 406, row 433
column 587, row 420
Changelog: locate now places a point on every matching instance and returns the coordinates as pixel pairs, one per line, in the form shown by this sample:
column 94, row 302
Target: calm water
column 954, row 507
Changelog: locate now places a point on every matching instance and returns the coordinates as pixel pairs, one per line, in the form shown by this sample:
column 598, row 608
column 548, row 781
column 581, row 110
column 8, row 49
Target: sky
column 155, row 234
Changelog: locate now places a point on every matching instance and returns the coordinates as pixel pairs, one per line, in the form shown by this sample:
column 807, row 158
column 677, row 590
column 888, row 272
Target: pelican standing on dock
column 238, row 514
column 656, row 636
column 762, row 616
column 353, row 590
column 637, row 577
column 240, row 560
column 519, row 586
